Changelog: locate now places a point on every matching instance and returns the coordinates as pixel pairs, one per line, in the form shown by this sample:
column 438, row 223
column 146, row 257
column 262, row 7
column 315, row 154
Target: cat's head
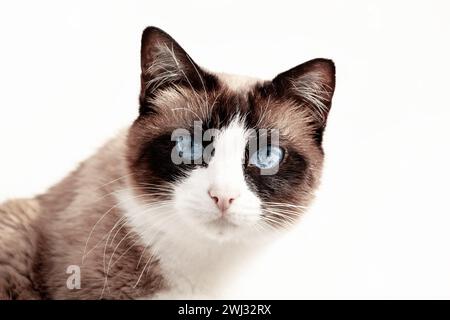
column 225, row 157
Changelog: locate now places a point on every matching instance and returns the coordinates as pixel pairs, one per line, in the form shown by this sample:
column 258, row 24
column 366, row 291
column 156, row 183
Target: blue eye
column 267, row 157
column 188, row 149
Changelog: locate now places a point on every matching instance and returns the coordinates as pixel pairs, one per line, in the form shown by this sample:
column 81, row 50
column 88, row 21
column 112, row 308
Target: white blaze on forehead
column 225, row 168
column 238, row 83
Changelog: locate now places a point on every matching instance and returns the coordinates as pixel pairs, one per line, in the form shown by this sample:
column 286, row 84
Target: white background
column 380, row 227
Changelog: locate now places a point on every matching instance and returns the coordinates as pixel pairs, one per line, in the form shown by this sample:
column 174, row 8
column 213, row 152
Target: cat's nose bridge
column 225, row 173
column 226, row 170
column 226, row 182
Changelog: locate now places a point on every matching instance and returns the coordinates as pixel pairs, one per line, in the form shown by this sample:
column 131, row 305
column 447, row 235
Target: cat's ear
column 164, row 63
column 312, row 85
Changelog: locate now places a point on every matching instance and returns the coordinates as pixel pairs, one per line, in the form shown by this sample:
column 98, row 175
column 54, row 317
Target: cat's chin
column 222, row 236
column 223, row 230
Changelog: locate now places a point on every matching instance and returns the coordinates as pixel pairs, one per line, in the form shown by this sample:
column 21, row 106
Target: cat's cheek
column 246, row 210
column 191, row 198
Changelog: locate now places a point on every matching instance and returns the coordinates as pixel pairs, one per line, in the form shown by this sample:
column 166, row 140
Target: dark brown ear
column 164, row 63
column 312, row 85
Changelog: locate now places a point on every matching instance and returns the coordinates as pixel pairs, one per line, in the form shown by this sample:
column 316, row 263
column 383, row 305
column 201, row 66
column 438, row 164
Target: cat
column 158, row 215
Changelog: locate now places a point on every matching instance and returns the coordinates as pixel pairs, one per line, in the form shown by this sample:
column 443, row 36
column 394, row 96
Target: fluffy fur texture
column 141, row 226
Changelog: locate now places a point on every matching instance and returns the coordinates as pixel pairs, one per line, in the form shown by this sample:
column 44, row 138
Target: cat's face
column 227, row 158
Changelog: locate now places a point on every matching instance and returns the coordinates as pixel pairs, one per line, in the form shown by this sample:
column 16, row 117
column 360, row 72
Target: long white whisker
column 100, row 219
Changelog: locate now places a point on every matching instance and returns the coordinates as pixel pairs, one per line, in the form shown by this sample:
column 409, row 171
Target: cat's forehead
column 238, row 83
column 233, row 96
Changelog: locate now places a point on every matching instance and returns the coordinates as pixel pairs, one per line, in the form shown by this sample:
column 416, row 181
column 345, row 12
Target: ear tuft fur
column 164, row 63
column 312, row 84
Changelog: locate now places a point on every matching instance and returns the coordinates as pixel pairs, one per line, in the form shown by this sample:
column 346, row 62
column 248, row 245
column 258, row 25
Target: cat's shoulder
column 17, row 240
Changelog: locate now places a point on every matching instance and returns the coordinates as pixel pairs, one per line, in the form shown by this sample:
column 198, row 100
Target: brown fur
column 41, row 238
column 17, row 248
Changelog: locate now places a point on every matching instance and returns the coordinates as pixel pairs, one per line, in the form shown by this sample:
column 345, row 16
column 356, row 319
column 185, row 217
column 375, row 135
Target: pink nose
column 223, row 200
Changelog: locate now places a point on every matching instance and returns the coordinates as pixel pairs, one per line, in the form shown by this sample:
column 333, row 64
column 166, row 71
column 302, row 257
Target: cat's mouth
column 222, row 223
